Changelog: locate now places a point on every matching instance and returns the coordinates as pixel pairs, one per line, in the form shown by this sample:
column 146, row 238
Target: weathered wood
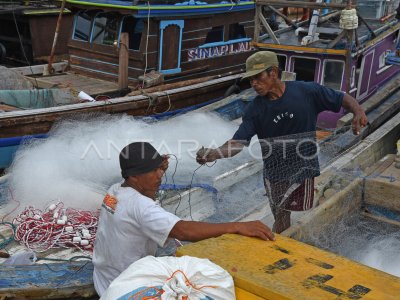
column 55, row 39
column 268, row 28
column 383, row 193
column 371, row 31
column 38, row 69
column 380, row 218
column 390, row 88
column 337, row 39
column 42, row 39
column 5, row 107
column 300, row 4
column 288, row 20
column 78, row 83
column 40, row 281
column 40, row 120
column 123, row 61
column 170, row 47
column 345, row 202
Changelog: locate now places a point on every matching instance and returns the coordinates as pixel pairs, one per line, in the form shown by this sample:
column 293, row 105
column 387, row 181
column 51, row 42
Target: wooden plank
column 5, row 107
column 38, row 69
column 269, row 30
column 42, row 39
column 344, row 202
column 390, row 88
column 123, row 61
column 384, row 194
column 288, row 269
column 301, row 4
column 41, row 281
column 380, row 218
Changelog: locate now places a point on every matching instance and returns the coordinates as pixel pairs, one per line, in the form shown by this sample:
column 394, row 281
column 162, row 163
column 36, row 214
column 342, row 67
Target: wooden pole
column 300, row 4
column 288, row 20
column 53, row 47
column 123, row 61
column 257, row 21
column 266, row 26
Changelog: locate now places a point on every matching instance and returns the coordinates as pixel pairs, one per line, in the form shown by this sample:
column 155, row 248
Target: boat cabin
column 22, row 38
column 168, row 40
column 345, row 57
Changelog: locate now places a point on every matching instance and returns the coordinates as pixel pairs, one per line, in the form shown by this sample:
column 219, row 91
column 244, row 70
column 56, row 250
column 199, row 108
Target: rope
column 348, row 19
column 56, row 227
column 186, row 186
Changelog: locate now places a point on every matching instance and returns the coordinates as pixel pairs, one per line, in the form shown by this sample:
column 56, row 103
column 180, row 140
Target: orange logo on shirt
column 110, row 203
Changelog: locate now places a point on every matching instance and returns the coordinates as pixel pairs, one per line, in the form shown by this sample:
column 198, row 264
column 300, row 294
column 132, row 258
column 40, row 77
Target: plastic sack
column 21, row 258
column 168, row 278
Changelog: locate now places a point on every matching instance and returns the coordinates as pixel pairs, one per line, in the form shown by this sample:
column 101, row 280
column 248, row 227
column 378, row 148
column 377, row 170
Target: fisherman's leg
column 276, row 196
column 282, row 220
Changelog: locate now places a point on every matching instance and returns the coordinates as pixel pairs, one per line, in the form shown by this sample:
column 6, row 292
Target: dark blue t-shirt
column 293, row 114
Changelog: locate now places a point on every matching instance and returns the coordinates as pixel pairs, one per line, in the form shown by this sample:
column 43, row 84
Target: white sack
column 165, row 277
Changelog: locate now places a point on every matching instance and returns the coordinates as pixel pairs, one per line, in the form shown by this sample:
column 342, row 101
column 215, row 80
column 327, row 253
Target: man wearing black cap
column 131, row 224
column 279, row 112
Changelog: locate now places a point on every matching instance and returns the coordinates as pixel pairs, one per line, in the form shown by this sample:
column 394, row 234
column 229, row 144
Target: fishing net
column 281, row 173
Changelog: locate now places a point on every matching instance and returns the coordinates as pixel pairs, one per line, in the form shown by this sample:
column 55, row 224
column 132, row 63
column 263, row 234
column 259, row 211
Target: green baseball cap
column 259, row 62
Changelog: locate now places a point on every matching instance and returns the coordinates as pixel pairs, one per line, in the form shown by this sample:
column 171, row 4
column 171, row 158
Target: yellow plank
column 245, row 295
column 288, row 269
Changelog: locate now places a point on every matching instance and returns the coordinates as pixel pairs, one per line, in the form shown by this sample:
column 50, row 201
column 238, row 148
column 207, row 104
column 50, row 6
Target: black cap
column 139, row 158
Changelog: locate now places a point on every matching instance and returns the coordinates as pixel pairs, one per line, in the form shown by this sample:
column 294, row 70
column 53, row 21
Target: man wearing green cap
column 286, row 110
column 132, row 224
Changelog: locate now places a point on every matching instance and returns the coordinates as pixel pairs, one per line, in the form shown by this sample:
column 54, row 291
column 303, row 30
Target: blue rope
column 186, row 186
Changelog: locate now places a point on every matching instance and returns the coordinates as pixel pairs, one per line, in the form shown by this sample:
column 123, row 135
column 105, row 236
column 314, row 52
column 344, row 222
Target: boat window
column 83, row 22
column 216, row 34
column 353, row 76
column 305, row 68
column 105, row 29
column 333, row 73
column 236, row 31
column 135, row 28
column 382, row 59
column 282, row 61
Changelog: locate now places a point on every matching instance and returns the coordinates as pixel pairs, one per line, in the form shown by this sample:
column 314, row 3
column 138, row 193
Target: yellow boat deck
column 288, row 269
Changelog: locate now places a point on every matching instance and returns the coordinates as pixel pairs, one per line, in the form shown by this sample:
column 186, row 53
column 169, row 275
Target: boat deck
column 328, row 32
column 89, row 85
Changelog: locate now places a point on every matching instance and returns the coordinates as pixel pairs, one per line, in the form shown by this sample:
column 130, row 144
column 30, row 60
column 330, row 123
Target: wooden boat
column 197, row 203
column 19, row 125
column 363, row 182
column 350, row 57
column 22, row 38
column 200, row 66
column 73, row 278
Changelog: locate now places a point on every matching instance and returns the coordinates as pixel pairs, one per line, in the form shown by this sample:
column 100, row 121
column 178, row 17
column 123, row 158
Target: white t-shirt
column 131, row 226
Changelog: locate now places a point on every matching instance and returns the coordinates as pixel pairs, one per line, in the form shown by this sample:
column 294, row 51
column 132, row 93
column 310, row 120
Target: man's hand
column 255, row 229
column 205, row 155
column 360, row 120
column 164, row 164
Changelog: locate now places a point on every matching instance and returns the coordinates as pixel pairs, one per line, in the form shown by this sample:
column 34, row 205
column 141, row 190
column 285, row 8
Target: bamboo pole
column 123, row 61
column 53, row 47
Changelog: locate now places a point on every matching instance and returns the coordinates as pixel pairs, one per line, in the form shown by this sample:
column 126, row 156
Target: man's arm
column 359, row 118
column 196, row 231
column 229, row 149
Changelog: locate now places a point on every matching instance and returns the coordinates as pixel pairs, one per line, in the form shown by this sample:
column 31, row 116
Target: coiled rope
column 348, row 19
column 56, row 227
